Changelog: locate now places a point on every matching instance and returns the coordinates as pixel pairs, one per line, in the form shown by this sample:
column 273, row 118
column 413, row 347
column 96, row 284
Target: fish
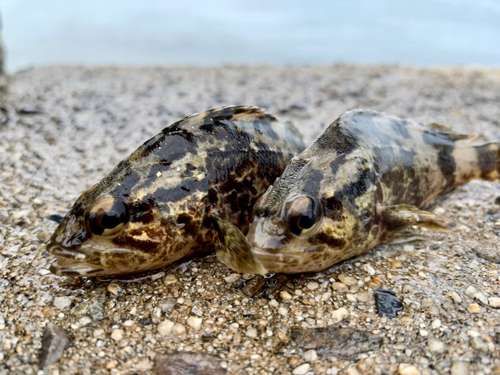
column 363, row 182
column 173, row 196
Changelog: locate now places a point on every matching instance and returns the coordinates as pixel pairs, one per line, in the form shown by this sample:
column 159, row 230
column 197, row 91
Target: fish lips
column 83, row 261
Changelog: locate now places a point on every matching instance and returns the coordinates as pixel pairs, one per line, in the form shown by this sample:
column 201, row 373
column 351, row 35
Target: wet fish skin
column 167, row 200
column 362, row 182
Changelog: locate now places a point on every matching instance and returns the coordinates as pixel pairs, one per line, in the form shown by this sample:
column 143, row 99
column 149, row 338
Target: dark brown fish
column 172, row 196
column 368, row 177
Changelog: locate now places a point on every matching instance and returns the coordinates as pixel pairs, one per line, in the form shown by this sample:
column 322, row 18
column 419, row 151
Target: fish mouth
column 284, row 260
column 84, row 261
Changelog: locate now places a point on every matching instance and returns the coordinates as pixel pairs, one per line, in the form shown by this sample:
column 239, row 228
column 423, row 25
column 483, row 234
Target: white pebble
column 436, row 323
column 459, row 368
column 310, row 355
column 62, row 303
column 283, row 311
column 117, row 334
column 179, row 330
column 194, row 322
column 165, row 327
column 340, row 314
column 312, row 285
column 369, row 269
column 301, row 369
column 436, row 346
column 494, row 301
column 406, row 369
column 251, row 332
column 274, row 303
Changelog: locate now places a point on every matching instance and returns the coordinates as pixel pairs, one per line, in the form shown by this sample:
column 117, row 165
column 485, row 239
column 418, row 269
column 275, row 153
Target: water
column 131, row 32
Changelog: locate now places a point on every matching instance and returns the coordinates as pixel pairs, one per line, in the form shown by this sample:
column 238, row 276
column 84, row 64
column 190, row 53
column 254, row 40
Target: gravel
column 63, row 128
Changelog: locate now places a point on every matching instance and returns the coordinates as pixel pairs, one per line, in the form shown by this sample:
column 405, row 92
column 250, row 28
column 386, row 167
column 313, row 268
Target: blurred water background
column 134, row 32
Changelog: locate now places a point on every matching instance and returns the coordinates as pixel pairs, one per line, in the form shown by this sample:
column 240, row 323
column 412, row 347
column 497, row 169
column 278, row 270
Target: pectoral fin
column 233, row 249
column 397, row 218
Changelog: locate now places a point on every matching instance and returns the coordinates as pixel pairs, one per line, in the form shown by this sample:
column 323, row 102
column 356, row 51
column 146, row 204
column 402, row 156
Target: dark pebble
column 387, row 303
column 497, row 200
column 253, row 286
column 341, row 342
column 57, row 218
column 30, row 110
column 54, row 341
column 188, row 364
column 491, row 255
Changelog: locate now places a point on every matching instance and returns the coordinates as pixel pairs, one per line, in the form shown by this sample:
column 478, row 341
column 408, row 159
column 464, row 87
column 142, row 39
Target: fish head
column 302, row 223
column 127, row 224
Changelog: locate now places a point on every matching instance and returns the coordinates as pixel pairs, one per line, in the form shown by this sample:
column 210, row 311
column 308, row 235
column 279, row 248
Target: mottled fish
column 365, row 180
column 176, row 194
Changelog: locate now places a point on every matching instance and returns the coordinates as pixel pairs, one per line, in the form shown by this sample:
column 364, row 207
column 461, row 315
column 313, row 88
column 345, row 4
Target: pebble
column 165, row 328
column 253, row 286
column 54, row 341
column 115, row 289
column 43, row 236
column 369, row 269
column 62, row 303
column 301, row 369
column 387, row 303
column 285, row 296
column 179, row 330
column 312, row 285
column 283, row 311
column 274, row 303
column 406, row 369
column 194, row 322
column 94, row 308
column 459, row 368
column 251, row 332
column 310, row 355
column 170, row 279
column 474, row 308
column 375, row 283
column 182, row 363
column 456, row 298
column 494, row 302
column 363, row 296
column 479, row 344
column 117, row 334
column 436, row 346
column 348, row 280
column 232, row 278
column 338, row 286
column 436, row 323
column 340, row 314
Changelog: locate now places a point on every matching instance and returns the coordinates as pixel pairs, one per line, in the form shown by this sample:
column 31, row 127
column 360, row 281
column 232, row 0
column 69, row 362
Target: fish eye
column 108, row 216
column 303, row 216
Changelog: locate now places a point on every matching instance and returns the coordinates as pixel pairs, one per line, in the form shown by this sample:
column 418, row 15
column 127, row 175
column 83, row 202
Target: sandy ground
column 62, row 129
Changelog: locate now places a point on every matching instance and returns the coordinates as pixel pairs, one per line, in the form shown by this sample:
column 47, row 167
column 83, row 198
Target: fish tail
column 488, row 161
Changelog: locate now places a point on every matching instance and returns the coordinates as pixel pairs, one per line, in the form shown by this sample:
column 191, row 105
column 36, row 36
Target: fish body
column 169, row 198
column 362, row 182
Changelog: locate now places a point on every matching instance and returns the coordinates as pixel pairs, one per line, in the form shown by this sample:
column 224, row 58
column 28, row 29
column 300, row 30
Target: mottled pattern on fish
column 168, row 199
column 368, row 177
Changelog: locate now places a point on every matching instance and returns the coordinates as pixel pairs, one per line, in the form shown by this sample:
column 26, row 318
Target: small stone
column 363, row 296
column 283, row 311
column 170, row 279
column 369, row 269
column 111, row 364
column 179, row 330
column 253, row 286
column 396, row 264
column 474, row 308
column 340, row 314
column 165, row 328
column 424, row 333
column 251, row 332
column 348, row 280
column 115, row 289
column 406, row 369
column 117, row 334
column 388, row 304
column 338, row 286
column 436, row 346
column 232, row 278
column 494, row 302
column 94, row 308
column 459, row 368
column 456, row 298
column 301, row 369
column 310, row 355
column 479, row 344
column 408, row 248
column 62, row 303
column 194, row 322
column 312, row 285
column 43, row 236
column 375, row 283
column 470, row 291
column 351, row 297
column 352, row 371
column 274, row 303
column 99, row 333
column 188, row 363
column 285, row 296
column 54, row 341
column 439, row 211
column 436, row 323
